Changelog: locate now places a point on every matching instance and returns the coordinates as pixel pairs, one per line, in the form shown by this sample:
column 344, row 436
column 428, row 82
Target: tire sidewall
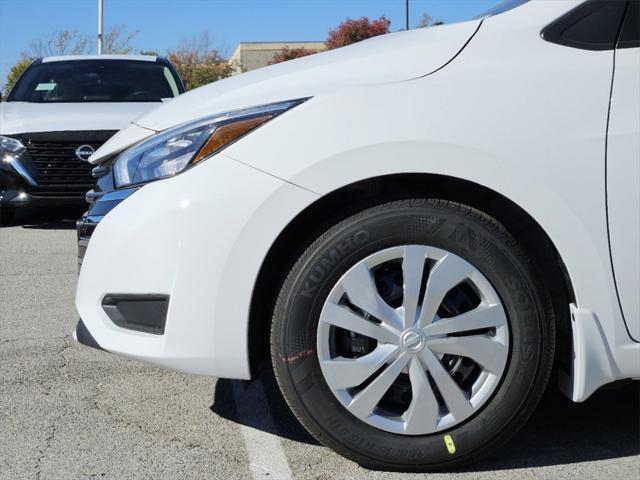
column 465, row 233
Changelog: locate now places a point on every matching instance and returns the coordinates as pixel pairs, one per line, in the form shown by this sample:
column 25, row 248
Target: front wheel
column 414, row 335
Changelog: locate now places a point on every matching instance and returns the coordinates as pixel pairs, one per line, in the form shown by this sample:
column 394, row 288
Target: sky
column 163, row 23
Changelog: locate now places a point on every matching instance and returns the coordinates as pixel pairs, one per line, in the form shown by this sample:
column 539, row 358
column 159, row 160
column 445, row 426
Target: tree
column 59, row 42
column 352, row 31
column 428, row 21
column 15, row 72
column 198, row 62
column 118, row 40
column 290, row 53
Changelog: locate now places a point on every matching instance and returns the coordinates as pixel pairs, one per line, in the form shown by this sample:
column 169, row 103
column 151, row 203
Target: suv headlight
column 10, row 145
column 177, row 148
column 11, row 151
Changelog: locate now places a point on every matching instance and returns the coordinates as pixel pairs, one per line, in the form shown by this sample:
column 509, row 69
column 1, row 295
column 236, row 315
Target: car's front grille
column 58, row 171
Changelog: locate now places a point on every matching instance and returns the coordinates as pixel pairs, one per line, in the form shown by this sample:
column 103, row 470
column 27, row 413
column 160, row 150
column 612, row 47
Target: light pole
column 99, row 27
column 406, row 14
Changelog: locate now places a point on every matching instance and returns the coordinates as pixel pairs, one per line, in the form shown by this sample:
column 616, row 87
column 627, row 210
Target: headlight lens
column 11, row 145
column 173, row 150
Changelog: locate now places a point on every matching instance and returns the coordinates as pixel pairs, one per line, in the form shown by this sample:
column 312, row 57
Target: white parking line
column 266, row 456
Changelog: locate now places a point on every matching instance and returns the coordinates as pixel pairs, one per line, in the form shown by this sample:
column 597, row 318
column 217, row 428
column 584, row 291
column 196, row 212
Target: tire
column 447, row 436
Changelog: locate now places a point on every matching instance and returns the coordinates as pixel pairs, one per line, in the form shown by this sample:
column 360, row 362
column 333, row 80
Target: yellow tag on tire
column 451, row 447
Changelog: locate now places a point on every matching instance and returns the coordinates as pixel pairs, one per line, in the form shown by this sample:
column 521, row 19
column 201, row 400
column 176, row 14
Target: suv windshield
column 95, row 81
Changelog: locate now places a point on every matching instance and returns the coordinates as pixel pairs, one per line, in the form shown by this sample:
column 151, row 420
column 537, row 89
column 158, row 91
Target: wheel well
column 340, row 204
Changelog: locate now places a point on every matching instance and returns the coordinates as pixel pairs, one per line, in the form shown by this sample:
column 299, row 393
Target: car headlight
column 10, row 145
column 177, row 148
column 11, row 150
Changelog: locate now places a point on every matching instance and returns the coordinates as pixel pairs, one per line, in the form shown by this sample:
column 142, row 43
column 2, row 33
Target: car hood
column 388, row 58
column 23, row 117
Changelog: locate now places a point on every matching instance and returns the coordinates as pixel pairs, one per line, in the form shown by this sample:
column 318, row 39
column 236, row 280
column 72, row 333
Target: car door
column 623, row 170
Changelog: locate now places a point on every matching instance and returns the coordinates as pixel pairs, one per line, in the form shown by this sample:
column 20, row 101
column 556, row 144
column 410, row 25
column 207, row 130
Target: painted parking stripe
column 266, row 456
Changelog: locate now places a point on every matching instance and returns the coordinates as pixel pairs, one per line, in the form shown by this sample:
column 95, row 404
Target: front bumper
column 22, row 198
column 99, row 205
column 17, row 190
column 83, row 336
column 198, row 238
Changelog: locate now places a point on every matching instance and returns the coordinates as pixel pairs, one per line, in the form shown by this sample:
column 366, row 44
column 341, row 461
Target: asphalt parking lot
column 70, row 412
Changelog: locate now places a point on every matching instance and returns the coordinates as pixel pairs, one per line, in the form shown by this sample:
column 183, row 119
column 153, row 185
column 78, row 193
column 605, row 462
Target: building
column 251, row 55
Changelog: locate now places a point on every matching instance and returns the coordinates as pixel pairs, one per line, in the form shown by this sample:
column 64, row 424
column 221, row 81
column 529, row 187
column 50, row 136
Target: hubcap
column 413, row 339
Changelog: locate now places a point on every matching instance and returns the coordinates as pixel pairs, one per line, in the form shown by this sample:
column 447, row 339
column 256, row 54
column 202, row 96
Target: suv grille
column 58, row 172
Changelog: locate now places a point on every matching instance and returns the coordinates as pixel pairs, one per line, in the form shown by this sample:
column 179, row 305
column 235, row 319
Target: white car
column 60, row 111
column 417, row 230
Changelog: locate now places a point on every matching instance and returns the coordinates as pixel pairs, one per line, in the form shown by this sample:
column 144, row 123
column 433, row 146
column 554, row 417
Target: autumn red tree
column 348, row 32
column 290, row 53
column 352, row 31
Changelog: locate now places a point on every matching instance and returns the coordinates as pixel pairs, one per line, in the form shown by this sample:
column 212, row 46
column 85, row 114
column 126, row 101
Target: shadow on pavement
column 561, row 432
column 286, row 425
column 606, row 426
column 46, row 218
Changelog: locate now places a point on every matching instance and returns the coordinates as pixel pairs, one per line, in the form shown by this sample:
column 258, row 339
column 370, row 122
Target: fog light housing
column 142, row 313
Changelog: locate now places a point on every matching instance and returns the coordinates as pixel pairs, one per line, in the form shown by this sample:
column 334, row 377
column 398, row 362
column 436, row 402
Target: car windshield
column 95, row 81
column 502, row 7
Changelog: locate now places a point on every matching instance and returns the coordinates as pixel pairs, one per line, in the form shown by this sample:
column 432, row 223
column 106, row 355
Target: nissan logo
column 412, row 340
column 83, row 152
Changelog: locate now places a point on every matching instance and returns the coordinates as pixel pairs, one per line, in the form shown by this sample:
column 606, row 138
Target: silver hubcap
column 413, row 340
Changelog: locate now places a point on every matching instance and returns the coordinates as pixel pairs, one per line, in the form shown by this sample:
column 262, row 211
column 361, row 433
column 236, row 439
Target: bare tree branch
column 71, row 42
column 119, row 40
column 198, row 61
column 428, row 21
column 60, row 42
